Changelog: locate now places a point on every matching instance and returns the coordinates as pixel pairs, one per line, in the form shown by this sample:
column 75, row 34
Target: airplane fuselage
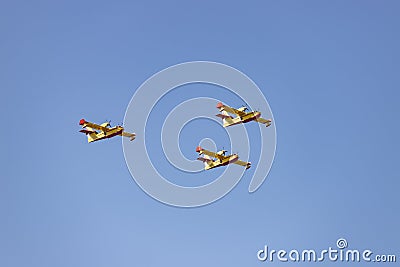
column 250, row 116
column 114, row 131
column 224, row 162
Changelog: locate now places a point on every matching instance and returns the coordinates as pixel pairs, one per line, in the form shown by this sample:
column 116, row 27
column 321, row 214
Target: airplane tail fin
column 248, row 165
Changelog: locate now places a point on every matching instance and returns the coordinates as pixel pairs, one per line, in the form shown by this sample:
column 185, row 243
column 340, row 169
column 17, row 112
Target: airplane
column 212, row 160
column 104, row 131
column 241, row 116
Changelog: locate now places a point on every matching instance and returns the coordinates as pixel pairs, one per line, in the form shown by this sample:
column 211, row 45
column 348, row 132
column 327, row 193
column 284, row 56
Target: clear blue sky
column 329, row 69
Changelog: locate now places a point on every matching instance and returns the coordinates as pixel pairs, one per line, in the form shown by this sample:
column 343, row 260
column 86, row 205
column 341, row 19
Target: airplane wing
column 264, row 121
column 87, row 131
column 230, row 109
column 204, row 159
column 131, row 136
column 92, row 125
column 212, row 154
column 223, row 116
column 242, row 163
column 234, row 111
column 201, row 150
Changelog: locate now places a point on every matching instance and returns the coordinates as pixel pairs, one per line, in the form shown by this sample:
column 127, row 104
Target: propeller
column 243, row 108
column 108, row 122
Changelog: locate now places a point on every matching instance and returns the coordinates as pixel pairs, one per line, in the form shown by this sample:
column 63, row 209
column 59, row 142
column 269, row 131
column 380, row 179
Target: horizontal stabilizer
column 264, row 121
column 244, row 164
column 131, row 136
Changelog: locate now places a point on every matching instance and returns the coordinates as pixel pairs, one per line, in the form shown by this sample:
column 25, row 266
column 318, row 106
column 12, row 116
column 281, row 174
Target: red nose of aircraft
column 219, row 105
column 82, row 121
column 198, row 149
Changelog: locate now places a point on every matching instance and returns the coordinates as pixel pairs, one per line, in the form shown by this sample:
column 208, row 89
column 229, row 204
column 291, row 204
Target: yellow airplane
column 241, row 116
column 212, row 160
column 104, row 131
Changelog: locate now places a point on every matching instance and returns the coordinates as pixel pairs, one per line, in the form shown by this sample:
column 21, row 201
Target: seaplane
column 104, row 131
column 217, row 159
column 241, row 116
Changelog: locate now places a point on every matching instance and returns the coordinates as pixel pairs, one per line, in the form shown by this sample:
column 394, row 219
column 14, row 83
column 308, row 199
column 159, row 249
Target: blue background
column 330, row 72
